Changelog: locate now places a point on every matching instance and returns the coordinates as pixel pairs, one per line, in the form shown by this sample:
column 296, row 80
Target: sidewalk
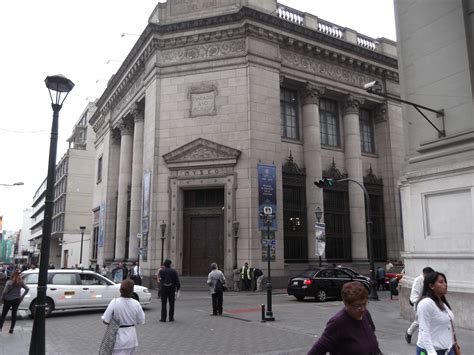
column 238, row 331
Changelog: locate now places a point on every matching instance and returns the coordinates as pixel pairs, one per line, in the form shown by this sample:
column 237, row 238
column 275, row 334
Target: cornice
column 154, row 39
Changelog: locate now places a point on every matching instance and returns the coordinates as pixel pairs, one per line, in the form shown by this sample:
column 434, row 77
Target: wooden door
column 203, row 243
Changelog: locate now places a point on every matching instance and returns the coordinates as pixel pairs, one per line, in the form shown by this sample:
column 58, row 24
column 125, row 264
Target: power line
column 14, row 131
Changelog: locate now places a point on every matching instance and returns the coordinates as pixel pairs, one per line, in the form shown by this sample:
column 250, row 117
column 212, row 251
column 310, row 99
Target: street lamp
column 59, row 87
column 235, row 229
column 373, row 289
column 163, row 230
column 14, row 184
column 267, row 217
column 82, row 228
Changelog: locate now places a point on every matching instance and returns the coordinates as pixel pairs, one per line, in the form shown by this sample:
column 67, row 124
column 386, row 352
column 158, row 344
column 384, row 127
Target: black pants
column 167, row 294
column 6, row 307
column 137, row 280
column 217, row 300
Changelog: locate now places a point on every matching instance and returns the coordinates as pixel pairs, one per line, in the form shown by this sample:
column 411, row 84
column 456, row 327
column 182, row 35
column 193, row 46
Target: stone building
column 223, row 107
column 437, row 183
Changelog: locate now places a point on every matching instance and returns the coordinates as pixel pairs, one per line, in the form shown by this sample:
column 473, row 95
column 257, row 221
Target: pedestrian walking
column 136, row 274
column 388, row 266
column 104, row 271
column 351, row 330
column 216, row 283
column 118, row 273
column 169, row 281
column 415, row 294
column 3, row 281
column 380, row 272
column 236, row 279
column 245, row 277
column 12, row 298
column 258, row 276
column 129, row 313
column 158, row 281
column 436, row 334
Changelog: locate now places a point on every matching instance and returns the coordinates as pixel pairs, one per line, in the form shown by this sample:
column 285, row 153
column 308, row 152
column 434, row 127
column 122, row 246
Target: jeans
column 167, row 294
column 421, row 351
column 217, row 300
column 14, row 304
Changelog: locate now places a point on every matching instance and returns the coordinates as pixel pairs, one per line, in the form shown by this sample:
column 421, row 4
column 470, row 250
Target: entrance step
column 194, row 283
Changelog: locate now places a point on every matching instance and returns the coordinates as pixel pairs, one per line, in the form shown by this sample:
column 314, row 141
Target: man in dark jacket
column 169, row 285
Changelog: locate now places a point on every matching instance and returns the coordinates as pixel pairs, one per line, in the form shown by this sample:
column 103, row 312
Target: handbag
column 456, row 347
column 220, row 287
column 108, row 341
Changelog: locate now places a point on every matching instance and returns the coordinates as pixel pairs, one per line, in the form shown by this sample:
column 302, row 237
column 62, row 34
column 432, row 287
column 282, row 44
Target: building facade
column 437, row 184
column 223, row 108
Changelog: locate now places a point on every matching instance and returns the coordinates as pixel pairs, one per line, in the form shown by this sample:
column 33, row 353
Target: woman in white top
column 436, row 334
column 129, row 313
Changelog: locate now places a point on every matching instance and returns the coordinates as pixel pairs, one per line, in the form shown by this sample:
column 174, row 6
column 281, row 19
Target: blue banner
column 267, row 193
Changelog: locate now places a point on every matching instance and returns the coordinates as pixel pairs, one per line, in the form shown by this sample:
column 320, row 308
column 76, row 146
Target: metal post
column 373, row 289
column 138, row 262
column 320, row 263
column 82, row 241
column 269, row 313
column 162, row 246
column 38, row 344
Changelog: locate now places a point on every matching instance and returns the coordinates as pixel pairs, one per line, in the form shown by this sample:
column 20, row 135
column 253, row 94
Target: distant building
column 436, row 50
column 224, row 107
column 72, row 199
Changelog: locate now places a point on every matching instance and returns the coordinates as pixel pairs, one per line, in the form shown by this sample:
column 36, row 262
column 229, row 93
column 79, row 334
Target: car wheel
column 299, row 298
column 321, row 295
column 47, row 311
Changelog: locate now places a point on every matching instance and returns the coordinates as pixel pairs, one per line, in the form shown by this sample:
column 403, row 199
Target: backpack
column 166, row 281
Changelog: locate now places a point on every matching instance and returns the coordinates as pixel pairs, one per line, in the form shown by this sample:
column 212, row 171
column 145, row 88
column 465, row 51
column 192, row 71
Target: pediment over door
column 201, row 152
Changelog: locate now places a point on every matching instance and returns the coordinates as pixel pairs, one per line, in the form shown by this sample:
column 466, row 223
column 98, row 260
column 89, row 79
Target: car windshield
column 349, row 271
column 30, row 278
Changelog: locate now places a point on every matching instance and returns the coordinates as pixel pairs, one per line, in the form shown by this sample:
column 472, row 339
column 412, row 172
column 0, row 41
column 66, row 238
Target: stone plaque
column 184, row 7
column 203, row 101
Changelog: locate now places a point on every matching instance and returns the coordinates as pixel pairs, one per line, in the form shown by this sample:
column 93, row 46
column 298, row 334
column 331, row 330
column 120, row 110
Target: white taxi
column 75, row 289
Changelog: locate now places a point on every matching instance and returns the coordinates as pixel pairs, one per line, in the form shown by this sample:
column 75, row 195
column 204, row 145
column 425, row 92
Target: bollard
column 263, row 313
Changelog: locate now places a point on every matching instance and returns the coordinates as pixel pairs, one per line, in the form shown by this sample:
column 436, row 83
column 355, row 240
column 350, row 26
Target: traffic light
column 324, row 183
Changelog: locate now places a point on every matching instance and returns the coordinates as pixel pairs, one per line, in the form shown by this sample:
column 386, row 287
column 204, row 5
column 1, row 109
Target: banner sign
column 100, row 242
column 146, row 201
column 267, row 193
column 320, row 234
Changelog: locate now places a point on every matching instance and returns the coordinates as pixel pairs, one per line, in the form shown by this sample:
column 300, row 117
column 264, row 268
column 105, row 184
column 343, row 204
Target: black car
column 323, row 283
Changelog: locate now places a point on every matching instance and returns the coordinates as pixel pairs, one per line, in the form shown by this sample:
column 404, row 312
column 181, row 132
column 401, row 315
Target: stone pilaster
column 125, row 176
column 137, row 174
column 353, row 165
column 312, row 157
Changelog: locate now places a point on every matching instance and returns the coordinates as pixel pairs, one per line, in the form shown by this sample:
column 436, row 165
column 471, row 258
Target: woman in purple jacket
column 351, row 330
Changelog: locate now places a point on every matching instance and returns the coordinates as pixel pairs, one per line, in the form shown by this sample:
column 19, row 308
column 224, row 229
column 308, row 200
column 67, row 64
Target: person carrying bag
column 121, row 317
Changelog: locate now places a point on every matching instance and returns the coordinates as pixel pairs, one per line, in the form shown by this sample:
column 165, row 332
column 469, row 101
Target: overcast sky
column 77, row 38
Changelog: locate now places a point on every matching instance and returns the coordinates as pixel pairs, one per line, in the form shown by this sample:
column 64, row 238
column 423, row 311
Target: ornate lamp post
column 59, row 87
column 267, row 219
column 82, row 228
column 163, row 230
column 235, row 229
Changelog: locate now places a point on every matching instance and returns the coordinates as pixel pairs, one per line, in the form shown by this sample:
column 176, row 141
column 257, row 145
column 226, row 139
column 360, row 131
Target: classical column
column 125, row 176
column 137, row 173
column 312, row 157
column 353, row 165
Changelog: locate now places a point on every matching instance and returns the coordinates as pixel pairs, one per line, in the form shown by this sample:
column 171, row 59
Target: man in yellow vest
column 245, row 277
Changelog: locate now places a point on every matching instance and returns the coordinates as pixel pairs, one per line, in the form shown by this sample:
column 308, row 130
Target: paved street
column 238, row 331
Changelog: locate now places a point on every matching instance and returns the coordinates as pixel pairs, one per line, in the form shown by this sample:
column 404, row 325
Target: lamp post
column 319, row 215
column 14, row 184
column 373, row 290
column 163, row 230
column 235, row 229
column 267, row 217
column 59, row 85
column 82, row 228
